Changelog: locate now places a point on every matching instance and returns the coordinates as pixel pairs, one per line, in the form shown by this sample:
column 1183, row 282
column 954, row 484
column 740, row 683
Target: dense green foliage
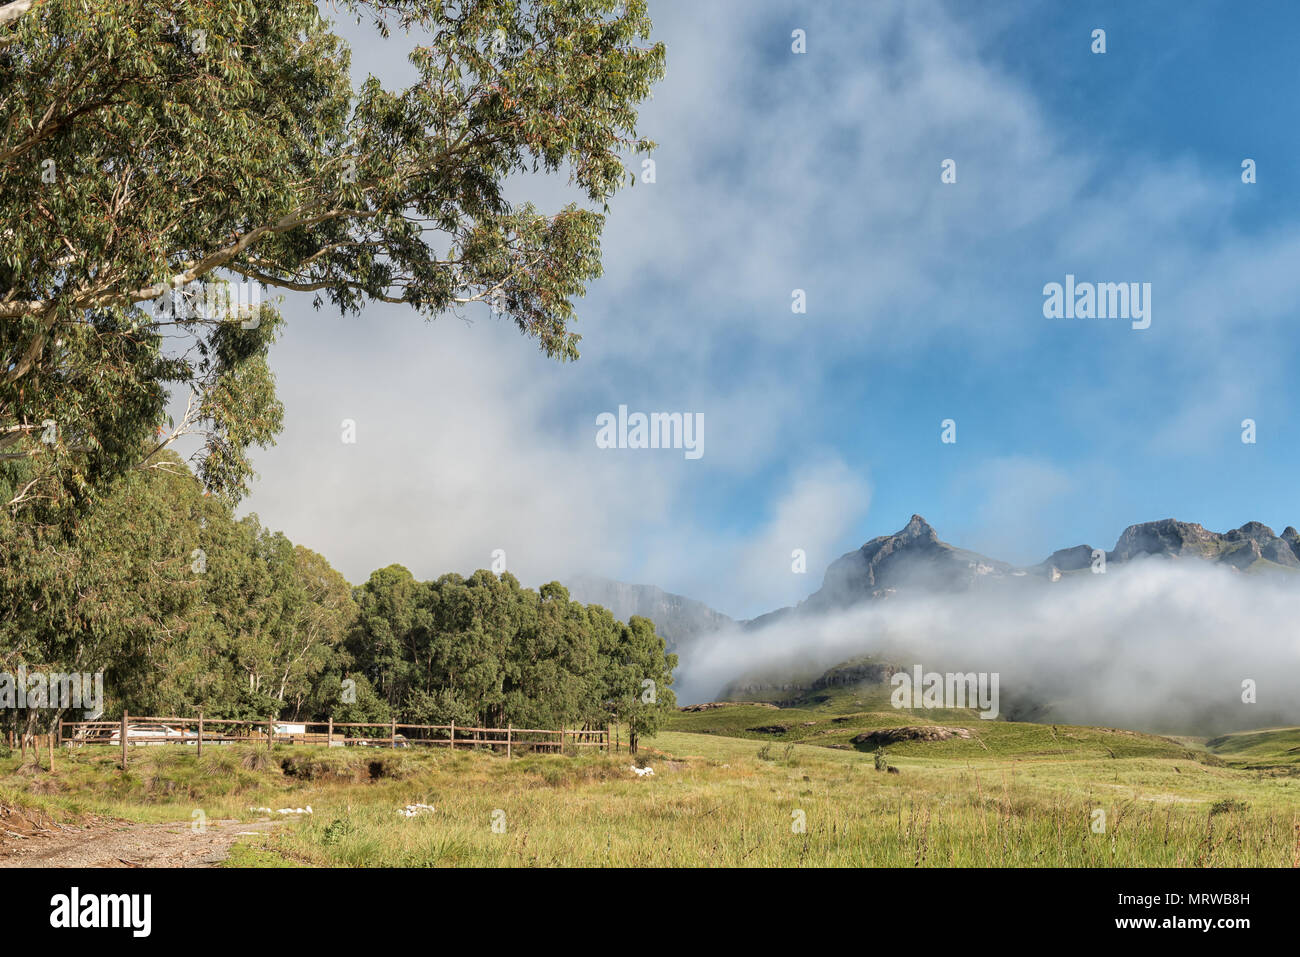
column 484, row 651
column 151, row 152
column 179, row 604
column 182, row 606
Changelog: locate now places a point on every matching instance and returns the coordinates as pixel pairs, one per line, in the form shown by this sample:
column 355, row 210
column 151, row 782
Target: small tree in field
column 643, row 675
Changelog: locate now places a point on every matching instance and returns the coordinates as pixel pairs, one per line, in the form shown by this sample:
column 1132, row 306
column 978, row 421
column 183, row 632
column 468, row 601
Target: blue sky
column 821, row 171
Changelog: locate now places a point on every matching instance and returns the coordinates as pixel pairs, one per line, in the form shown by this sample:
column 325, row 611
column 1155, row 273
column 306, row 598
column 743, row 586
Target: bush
column 1225, row 807
column 336, row 830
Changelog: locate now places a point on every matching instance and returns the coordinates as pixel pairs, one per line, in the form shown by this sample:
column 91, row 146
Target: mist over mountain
column 914, row 560
column 1160, row 632
column 678, row 620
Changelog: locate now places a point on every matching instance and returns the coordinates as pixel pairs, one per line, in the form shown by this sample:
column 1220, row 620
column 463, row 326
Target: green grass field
column 1269, row 748
column 720, row 795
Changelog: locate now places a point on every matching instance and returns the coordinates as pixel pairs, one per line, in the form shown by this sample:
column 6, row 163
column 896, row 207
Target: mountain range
column 914, row 560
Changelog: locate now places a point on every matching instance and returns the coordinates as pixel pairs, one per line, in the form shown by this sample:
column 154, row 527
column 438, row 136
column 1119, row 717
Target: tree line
column 182, row 605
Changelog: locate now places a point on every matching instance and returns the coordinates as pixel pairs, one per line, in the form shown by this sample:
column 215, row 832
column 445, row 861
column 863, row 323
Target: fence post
column 329, row 735
column 509, row 727
column 270, row 732
column 123, row 739
column 200, row 742
column 392, row 734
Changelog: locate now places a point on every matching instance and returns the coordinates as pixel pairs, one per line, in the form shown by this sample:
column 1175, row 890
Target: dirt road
column 106, row 843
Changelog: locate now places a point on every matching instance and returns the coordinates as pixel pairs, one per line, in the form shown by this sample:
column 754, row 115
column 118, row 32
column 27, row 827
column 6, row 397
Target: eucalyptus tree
column 113, row 598
column 151, row 153
column 485, row 650
column 641, row 675
column 379, row 642
column 179, row 605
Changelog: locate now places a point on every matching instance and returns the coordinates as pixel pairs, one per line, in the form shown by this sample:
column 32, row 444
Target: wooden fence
column 199, row 731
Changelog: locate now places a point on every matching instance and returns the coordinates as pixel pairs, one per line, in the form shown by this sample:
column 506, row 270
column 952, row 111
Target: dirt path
column 124, row 844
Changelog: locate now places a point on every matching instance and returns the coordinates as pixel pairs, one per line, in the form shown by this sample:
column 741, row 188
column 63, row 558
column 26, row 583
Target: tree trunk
column 30, row 729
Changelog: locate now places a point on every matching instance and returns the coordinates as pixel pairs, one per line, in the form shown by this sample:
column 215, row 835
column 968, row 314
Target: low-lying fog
column 1155, row 645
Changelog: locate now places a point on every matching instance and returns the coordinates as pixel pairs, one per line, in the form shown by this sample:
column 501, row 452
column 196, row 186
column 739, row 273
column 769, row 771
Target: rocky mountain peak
column 912, row 557
column 1167, row 536
column 1255, row 531
column 917, row 529
column 1240, row 547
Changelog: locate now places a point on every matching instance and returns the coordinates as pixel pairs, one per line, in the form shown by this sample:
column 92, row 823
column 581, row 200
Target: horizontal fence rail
column 198, row 732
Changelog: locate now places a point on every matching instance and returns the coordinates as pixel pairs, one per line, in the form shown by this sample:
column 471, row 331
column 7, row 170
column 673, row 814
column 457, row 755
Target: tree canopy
column 151, row 154
column 484, row 651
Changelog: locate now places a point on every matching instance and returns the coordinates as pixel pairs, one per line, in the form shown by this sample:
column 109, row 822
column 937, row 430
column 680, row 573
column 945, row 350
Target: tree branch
column 10, row 12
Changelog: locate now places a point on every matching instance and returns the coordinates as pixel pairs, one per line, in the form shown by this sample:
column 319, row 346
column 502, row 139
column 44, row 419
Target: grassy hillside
column 832, row 717
column 1269, row 748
